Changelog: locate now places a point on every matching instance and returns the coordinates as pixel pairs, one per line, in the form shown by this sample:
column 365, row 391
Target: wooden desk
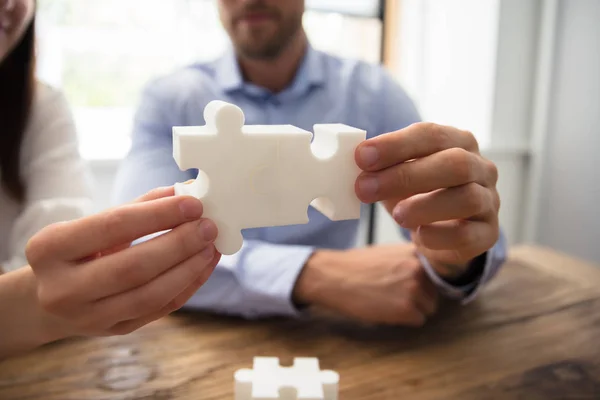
column 533, row 334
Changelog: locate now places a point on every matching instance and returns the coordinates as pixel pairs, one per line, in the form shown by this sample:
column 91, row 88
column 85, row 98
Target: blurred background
column 523, row 76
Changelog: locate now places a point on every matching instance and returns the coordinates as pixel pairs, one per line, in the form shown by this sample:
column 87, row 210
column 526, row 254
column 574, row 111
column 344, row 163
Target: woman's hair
column 17, row 80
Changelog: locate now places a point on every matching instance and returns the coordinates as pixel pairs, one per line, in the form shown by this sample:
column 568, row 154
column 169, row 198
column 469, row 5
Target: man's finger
column 459, row 202
column 412, row 316
column 77, row 239
column 138, row 265
column 415, row 141
column 426, row 284
column 461, row 240
column 426, row 304
column 448, row 168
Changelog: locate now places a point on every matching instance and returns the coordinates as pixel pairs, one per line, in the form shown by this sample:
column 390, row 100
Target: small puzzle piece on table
column 304, row 380
column 254, row 176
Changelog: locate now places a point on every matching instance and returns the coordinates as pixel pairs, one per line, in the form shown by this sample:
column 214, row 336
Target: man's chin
column 259, row 51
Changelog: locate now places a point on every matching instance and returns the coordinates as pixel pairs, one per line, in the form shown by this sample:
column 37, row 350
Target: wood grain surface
column 534, row 333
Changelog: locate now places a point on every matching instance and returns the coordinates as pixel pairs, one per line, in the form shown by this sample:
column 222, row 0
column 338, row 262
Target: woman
column 80, row 276
column 43, row 179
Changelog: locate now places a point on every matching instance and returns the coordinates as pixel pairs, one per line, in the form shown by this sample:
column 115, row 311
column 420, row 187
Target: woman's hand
column 91, row 281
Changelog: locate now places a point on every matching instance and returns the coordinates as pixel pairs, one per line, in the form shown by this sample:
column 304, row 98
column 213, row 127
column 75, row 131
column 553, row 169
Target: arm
column 55, row 176
column 401, row 112
column 259, row 279
column 56, row 190
column 28, row 328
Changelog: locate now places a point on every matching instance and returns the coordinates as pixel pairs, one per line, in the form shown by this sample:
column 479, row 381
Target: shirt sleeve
column 493, row 261
column 56, row 178
column 394, row 99
column 255, row 282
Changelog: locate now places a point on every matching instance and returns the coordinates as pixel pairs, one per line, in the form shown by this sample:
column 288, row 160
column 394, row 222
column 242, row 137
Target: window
column 102, row 52
column 448, row 60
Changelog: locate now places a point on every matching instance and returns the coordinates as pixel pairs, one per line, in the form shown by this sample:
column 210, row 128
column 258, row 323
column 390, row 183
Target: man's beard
column 271, row 47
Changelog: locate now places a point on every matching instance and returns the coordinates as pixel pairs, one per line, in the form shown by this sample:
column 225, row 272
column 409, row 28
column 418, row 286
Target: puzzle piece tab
column 304, row 380
column 266, row 175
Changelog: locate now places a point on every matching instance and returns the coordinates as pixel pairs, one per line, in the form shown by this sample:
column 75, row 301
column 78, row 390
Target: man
column 444, row 199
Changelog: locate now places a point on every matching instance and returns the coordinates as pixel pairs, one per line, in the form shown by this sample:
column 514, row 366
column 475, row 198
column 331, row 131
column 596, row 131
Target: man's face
column 261, row 28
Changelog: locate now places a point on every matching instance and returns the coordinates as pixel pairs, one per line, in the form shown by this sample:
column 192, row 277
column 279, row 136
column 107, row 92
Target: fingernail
column 191, row 208
column 208, row 253
column 368, row 186
column 209, row 230
column 368, row 155
column 398, row 215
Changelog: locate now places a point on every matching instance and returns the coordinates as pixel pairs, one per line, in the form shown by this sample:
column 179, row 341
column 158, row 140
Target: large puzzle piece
column 266, row 175
column 304, row 380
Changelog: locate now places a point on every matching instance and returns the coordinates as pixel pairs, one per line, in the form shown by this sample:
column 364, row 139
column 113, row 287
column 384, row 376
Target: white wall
column 472, row 64
column 447, row 60
column 569, row 214
column 103, row 174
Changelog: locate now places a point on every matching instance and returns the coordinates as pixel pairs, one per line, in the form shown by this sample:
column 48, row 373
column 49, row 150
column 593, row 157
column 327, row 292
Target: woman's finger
column 140, row 264
column 156, row 294
column 77, row 239
column 125, row 327
column 184, row 296
column 156, row 193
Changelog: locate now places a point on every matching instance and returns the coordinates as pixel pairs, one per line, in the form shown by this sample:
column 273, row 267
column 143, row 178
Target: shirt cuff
column 447, row 289
column 494, row 258
column 256, row 282
column 268, row 275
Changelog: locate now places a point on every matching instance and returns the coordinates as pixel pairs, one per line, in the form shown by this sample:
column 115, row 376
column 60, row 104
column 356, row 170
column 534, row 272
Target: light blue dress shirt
column 259, row 279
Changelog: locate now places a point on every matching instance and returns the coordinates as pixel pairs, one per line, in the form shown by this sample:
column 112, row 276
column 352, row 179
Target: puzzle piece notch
column 268, row 380
column 272, row 174
column 334, row 146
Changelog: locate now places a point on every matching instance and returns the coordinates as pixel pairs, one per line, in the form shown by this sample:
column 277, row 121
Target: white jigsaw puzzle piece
column 266, row 175
column 304, row 380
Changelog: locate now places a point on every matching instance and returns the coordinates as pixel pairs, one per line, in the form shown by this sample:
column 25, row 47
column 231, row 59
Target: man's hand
column 384, row 284
column 434, row 182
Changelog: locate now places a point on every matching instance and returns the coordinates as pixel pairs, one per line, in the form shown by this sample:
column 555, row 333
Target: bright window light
column 102, row 52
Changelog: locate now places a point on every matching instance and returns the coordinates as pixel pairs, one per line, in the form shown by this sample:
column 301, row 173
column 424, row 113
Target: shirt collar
column 310, row 73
